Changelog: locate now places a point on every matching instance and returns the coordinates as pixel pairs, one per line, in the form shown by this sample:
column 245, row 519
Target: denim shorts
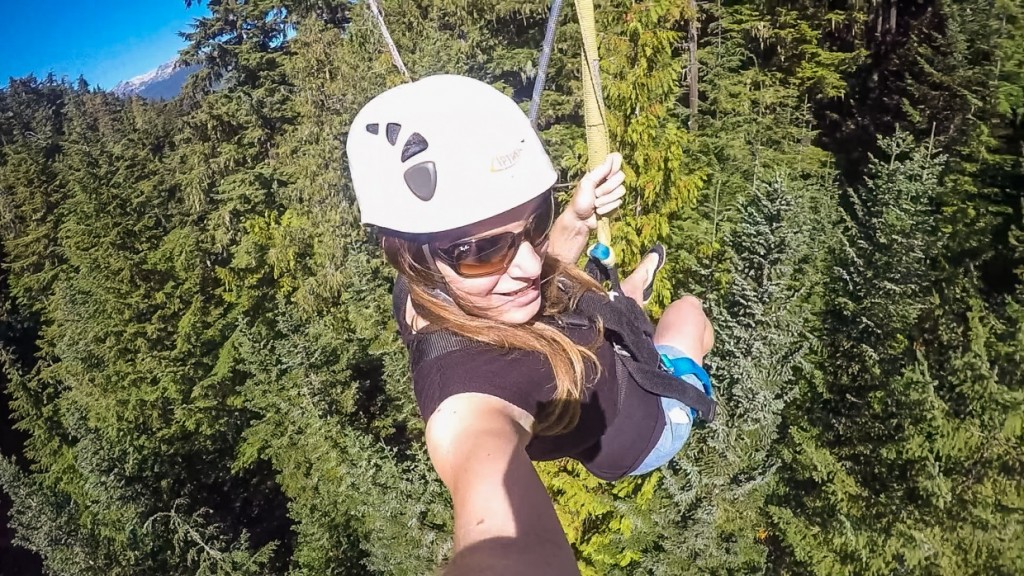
column 678, row 422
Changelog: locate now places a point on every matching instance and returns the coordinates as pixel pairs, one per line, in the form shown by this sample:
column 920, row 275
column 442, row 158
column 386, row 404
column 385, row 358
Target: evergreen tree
column 883, row 469
column 30, row 134
column 196, row 334
column 329, row 382
column 130, row 457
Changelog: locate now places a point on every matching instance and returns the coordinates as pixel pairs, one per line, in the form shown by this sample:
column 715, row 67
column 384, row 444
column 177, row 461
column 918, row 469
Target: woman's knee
column 684, row 325
column 688, row 304
column 686, row 311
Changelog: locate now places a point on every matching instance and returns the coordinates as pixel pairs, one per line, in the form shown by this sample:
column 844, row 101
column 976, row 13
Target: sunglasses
column 488, row 255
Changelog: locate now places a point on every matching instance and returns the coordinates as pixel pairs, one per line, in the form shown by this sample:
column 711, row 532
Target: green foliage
column 603, row 522
column 642, row 87
column 713, row 516
column 196, row 332
column 884, row 458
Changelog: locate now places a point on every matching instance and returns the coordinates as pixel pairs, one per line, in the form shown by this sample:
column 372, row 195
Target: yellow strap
column 593, row 104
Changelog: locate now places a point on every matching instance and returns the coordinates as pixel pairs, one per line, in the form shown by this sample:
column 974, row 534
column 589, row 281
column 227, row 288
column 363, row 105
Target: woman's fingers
column 599, row 173
column 613, row 181
column 601, row 190
column 612, row 164
column 610, row 202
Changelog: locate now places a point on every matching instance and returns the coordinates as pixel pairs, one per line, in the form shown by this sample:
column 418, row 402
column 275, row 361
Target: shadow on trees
column 19, row 336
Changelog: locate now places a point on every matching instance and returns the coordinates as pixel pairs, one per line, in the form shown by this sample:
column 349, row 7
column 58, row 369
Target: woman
column 458, row 185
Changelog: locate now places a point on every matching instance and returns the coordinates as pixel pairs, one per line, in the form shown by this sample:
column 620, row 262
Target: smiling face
column 518, row 237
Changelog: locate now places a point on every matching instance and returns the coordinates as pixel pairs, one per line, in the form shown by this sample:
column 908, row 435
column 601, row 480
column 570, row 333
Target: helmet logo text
column 506, row 161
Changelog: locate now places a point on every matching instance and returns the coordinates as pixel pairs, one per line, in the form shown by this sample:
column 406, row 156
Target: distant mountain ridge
column 162, row 83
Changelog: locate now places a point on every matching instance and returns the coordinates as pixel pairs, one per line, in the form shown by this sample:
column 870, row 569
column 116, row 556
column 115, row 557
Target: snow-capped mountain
column 163, row 83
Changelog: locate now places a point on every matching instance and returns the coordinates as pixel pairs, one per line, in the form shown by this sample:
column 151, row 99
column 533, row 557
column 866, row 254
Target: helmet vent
column 413, row 146
column 392, row 131
column 422, row 180
column 373, row 128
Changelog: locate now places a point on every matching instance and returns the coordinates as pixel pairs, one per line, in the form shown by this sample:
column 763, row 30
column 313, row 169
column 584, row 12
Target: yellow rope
column 593, row 105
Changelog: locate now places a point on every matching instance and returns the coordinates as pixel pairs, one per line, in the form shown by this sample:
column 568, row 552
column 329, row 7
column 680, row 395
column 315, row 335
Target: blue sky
column 105, row 40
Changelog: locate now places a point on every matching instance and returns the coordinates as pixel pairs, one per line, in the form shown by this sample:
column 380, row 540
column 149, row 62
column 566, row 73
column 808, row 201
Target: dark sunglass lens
column 483, row 256
column 492, row 254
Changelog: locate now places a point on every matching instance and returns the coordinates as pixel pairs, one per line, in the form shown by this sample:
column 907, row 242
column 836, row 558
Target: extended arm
column 505, row 523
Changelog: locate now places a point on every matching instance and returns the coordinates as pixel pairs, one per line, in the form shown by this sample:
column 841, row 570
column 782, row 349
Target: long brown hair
column 561, row 287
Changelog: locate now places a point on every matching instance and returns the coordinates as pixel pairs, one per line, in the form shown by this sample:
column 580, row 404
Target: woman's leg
column 633, row 285
column 685, row 327
column 684, row 331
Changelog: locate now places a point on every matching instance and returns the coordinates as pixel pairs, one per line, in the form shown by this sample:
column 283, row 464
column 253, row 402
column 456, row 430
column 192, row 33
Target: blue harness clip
column 683, row 366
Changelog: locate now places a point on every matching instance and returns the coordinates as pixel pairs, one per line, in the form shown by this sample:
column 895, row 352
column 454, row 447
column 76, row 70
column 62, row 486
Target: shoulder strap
column 626, row 319
column 425, row 345
column 399, row 296
column 430, row 345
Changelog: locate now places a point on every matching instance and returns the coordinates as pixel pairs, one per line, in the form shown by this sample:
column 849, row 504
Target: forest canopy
column 196, row 338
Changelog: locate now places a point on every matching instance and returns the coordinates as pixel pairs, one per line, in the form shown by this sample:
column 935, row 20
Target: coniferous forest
column 201, row 374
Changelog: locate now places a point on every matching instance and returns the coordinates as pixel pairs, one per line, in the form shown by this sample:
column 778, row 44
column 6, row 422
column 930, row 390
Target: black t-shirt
column 619, row 424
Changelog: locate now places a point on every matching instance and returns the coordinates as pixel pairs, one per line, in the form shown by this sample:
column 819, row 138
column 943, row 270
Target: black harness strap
column 399, row 296
column 426, row 345
column 633, row 332
column 627, row 325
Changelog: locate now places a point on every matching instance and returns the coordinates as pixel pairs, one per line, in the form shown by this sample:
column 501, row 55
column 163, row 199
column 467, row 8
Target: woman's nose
column 527, row 263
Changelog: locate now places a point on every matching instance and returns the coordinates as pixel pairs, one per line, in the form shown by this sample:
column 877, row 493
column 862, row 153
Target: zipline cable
column 395, row 56
column 545, row 59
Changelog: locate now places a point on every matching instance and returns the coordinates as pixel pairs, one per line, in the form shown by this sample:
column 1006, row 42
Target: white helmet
column 441, row 153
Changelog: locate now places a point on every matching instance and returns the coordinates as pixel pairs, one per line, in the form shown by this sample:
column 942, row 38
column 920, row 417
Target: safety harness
column 626, row 326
